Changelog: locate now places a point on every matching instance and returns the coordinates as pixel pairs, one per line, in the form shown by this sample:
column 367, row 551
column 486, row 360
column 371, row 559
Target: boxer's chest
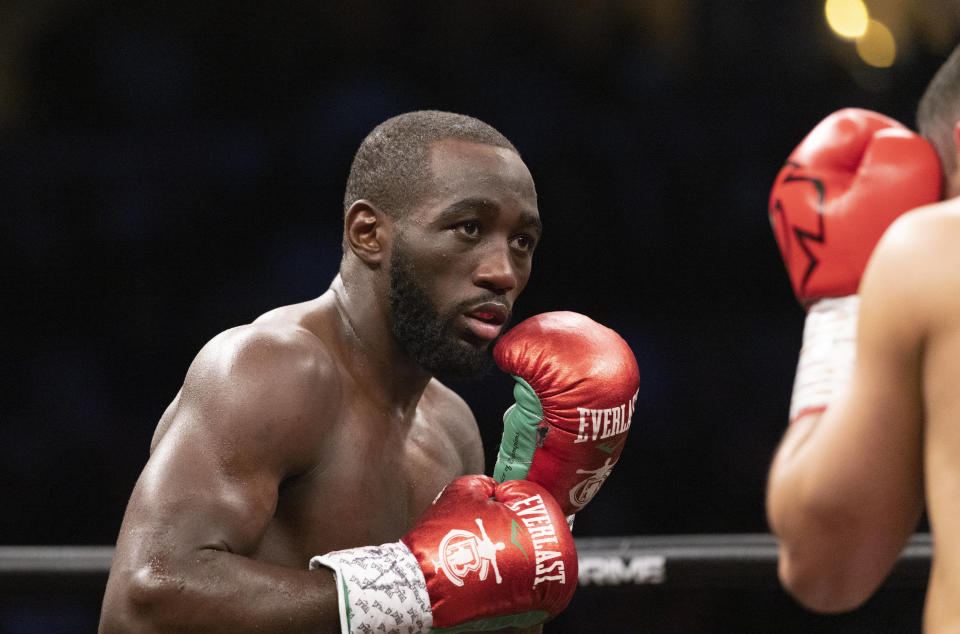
column 369, row 490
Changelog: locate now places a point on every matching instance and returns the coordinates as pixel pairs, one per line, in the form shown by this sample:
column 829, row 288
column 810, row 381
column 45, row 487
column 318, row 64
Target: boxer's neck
column 372, row 354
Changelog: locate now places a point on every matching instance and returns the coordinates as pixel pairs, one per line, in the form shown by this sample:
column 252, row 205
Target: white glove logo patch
column 462, row 552
column 586, row 489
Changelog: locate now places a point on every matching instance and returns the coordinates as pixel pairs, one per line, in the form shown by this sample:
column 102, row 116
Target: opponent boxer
column 318, row 433
column 874, row 434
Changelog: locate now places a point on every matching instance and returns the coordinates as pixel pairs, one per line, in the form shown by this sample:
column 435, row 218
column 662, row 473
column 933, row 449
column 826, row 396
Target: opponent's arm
column 243, row 422
column 845, row 490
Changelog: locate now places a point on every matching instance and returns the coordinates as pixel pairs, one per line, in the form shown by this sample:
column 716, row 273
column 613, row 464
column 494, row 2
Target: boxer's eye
column 470, row 229
column 524, row 243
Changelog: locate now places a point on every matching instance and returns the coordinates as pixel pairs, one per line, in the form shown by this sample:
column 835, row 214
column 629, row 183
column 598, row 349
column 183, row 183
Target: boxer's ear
column 367, row 232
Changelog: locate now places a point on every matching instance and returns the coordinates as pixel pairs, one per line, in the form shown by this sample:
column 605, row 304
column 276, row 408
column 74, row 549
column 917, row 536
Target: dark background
column 169, row 170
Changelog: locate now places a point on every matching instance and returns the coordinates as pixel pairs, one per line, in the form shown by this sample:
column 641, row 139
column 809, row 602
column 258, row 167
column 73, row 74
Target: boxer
column 294, row 483
column 873, row 435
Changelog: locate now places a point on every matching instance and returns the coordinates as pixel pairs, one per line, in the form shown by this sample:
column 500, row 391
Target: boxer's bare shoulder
column 913, row 265
column 272, row 379
column 935, row 226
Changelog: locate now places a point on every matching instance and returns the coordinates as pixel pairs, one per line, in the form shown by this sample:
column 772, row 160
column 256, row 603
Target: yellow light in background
column 877, row 46
column 847, row 18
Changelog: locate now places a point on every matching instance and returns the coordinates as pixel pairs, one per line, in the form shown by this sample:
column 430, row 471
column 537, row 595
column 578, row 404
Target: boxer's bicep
column 249, row 415
column 198, row 491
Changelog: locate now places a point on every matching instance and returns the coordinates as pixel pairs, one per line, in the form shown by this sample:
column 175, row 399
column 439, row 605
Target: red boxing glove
column 840, row 189
column 576, row 389
column 484, row 556
column 511, row 554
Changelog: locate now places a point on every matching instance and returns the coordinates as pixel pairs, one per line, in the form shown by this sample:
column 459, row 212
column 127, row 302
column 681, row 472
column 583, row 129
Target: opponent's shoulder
column 933, row 227
column 916, row 265
column 920, row 245
column 449, row 412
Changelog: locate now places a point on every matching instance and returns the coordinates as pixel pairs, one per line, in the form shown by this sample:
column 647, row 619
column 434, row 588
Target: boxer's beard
column 424, row 333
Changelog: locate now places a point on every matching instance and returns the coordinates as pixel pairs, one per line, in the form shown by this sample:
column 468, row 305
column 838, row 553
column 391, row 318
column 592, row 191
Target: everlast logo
column 596, row 424
column 534, row 516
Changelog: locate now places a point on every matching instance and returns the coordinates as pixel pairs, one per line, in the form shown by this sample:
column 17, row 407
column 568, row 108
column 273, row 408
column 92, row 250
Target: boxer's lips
column 486, row 320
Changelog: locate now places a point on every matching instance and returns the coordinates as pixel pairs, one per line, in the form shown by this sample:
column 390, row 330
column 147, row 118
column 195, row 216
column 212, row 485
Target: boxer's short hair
column 939, row 110
column 391, row 167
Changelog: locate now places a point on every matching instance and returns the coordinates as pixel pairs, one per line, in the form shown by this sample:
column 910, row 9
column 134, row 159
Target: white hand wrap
column 827, row 356
column 379, row 589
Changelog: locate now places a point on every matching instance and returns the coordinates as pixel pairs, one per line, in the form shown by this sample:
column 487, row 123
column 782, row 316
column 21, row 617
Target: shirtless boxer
column 875, row 431
column 317, row 434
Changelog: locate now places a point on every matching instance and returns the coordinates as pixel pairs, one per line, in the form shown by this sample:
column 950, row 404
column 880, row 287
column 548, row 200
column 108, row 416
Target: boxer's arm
column 245, row 420
column 845, row 489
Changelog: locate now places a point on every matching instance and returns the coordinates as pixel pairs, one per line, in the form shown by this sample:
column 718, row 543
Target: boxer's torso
column 375, row 471
column 368, row 489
